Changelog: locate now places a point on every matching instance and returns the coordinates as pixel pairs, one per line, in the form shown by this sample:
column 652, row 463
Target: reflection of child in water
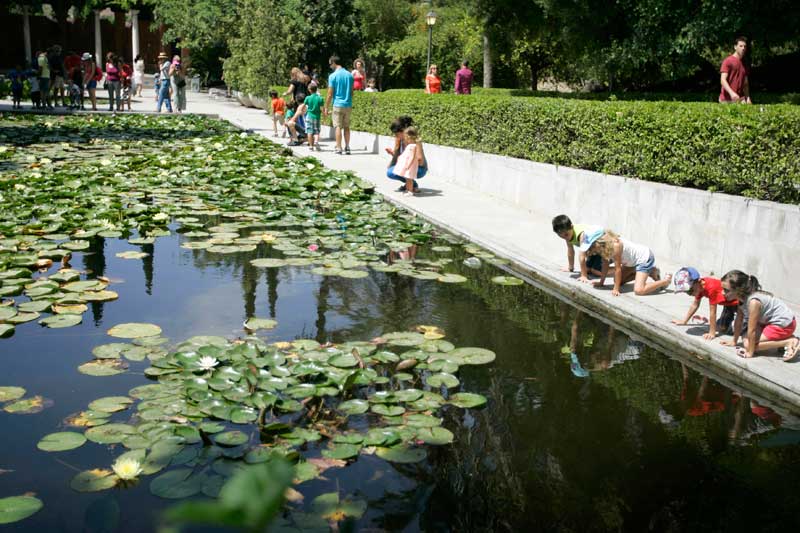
column 407, row 254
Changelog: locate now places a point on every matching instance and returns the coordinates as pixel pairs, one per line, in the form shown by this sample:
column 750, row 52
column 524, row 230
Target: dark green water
column 642, row 443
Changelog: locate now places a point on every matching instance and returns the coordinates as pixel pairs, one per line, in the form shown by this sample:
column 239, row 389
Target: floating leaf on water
column 176, row 484
column 39, row 306
column 254, row 323
column 401, row 454
column 134, row 330
column 353, row 274
column 70, row 309
column 451, row 278
column 109, row 433
column 422, row 421
column 16, row 508
column 231, row 438
column 112, row 350
column 268, row 262
column 21, row 318
column 471, row 356
column 132, row 254
column 434, row 435
column 94, row 480
column 387, row 410
column 404, row 338
column 507, row 280
column 61, row 321
column 7, row 312
column 333, row 509
column 28, row 406
column 11, row 393
column 354, row 407
column 103, row 367
column 441, row 249
column 443, row 378
column 62, row 441
column 110, row 404
column 467, row 400
column 342, row 451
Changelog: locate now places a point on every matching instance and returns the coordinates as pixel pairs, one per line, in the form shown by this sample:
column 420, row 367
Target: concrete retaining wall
column 712, row 231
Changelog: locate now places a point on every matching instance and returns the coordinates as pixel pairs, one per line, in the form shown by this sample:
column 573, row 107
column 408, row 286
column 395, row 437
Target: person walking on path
column 340, row 92
column 43, row 74
column 734, row 75
column 177, row 78
column 433, row 84
column 770, row 323
column 359, row 75
column 163, row 83
column 464, row 79
column 138, row 75
column 90, row 78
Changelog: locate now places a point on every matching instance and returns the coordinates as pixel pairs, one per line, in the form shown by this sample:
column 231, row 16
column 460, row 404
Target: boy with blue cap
column 688, row 280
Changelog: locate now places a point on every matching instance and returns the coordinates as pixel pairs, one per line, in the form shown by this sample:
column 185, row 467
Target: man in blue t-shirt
column 340, row 91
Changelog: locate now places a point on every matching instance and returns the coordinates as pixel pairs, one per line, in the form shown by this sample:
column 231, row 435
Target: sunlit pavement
column 527, row 239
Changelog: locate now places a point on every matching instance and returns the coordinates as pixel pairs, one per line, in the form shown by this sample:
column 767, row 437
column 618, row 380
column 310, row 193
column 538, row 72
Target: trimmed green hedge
column 752, row 151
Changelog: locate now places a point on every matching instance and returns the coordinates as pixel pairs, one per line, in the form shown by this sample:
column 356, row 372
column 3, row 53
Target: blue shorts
column 647, row 266
column 594, row 262
column 92, row 84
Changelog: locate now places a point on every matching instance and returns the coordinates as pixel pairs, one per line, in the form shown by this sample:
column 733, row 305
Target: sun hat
column 163, row 54
column 684, row 278
column 86, row 56
column 589, row 237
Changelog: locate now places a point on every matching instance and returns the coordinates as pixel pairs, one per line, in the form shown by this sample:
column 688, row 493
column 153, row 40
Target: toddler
column 278, row 112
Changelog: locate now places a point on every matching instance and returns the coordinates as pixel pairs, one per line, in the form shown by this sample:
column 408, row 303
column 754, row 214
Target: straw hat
column 163, row 55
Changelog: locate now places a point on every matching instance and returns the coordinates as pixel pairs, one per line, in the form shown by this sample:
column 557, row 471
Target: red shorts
column 777, row 333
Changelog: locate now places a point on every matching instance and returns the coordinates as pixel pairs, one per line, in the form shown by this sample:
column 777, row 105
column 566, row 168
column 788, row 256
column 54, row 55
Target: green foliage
column 746, row 150
column 249, row 500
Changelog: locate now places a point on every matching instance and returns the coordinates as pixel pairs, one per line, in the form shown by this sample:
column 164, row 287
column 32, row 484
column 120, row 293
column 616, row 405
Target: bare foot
column 791, row 352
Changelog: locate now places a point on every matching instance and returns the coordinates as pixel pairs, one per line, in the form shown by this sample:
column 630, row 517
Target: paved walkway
column 527, row 239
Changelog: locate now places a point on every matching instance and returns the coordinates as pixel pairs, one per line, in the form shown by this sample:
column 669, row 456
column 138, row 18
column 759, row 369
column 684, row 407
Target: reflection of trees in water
column 147, row 267
column 94, row 259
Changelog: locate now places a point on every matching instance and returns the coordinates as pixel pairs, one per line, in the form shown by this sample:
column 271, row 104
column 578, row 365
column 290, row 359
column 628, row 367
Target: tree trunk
column 487, row 62
column 534, row 75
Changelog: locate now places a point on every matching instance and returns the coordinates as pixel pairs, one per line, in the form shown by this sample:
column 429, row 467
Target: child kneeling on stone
column 573, row 234
column 688, row 280
column 770, row 322
column 632, row 262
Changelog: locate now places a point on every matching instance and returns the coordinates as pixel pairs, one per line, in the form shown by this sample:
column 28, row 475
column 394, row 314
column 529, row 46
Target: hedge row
column 752, row 151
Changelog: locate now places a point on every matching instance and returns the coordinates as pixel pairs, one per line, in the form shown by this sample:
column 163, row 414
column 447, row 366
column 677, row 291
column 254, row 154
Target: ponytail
column 741, row 283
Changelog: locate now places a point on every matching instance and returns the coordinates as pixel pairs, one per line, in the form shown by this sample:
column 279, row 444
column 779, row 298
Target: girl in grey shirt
column 770, row 322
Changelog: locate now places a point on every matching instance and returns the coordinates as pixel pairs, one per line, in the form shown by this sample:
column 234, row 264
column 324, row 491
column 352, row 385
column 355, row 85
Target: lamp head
column 430, row 18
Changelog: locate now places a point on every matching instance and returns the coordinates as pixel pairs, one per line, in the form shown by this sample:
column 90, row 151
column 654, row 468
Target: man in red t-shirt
column 734, row 75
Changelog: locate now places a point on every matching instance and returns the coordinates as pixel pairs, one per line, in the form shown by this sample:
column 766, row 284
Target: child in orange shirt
column 688, row 280
column 278, row 112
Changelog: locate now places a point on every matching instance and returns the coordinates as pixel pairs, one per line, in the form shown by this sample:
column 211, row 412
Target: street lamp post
column 430, row 20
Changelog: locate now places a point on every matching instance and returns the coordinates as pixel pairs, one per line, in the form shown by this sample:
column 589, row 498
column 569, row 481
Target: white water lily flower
column 127, row 469
column 207, row 362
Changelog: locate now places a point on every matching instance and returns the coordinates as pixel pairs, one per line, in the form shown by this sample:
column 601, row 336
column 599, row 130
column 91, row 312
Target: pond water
column 584, row 427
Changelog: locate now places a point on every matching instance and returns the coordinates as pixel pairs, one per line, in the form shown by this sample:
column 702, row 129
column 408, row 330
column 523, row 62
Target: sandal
column 697, row 319
column 791, row 352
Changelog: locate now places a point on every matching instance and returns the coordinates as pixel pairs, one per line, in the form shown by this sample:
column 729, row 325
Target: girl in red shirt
column 433, row 84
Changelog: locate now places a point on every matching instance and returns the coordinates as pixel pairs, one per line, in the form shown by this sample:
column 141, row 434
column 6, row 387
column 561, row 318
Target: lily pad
column 451, row 278
column 254, row 324
column 442, row 378
column 11, row 393
column 62, row 441
column 401, row 454
column 110, row 404
column 109, row 433
column 435, row 435
column 28, row 406
column 342, row 451
column 231, row 438
column 472, row 356
column 134, row 330
column 103, row 367
column 507, row 280
column 177, row 484
column 16, row 508
column 467, row 400
column 354, row 407
column 94, row 480
column 61, row 321
column 132, row 254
